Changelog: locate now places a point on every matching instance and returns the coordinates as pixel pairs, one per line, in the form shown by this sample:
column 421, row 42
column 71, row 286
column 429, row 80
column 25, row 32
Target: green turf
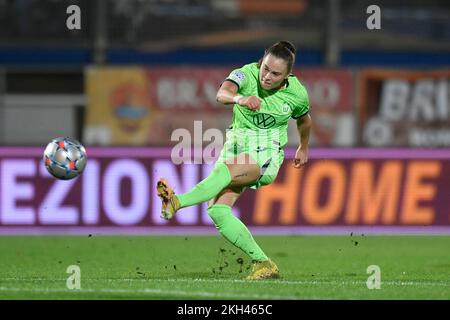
column 200, row 267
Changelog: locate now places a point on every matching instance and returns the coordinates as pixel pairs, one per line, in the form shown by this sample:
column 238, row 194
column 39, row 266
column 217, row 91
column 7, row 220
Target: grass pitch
column 207, row 267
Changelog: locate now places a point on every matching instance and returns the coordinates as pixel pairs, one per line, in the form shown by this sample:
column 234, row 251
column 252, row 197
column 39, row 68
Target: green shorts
column 268, row 155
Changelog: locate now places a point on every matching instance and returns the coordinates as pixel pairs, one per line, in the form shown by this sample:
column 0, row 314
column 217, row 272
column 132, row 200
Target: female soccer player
column 264, row 95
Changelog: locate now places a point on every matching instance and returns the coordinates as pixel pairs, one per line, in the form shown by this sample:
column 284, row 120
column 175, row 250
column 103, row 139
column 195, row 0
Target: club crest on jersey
column 264, row 120
column 285, row 108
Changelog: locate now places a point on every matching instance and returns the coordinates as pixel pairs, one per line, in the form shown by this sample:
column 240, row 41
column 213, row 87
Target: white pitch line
column 290, row 282
column 155, row 292
column 272, row 281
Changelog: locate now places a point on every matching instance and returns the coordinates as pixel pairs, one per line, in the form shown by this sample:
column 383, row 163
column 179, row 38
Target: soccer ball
column 65, row 158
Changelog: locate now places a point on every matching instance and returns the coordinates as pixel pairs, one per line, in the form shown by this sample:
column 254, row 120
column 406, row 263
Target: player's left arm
column 304, row 128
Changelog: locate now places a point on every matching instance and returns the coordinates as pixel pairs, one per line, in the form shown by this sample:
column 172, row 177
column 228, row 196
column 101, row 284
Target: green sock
column 235, row 231
column 208, row 188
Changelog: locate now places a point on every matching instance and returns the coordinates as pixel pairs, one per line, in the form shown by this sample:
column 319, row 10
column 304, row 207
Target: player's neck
column 283, row 85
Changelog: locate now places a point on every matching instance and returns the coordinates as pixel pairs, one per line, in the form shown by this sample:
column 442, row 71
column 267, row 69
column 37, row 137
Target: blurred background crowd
column 136, row 70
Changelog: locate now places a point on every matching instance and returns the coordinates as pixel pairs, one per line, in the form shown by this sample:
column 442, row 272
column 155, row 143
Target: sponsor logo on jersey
column 264, row 120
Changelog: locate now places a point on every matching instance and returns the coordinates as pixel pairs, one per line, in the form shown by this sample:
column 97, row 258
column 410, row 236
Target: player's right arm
column 228, row 94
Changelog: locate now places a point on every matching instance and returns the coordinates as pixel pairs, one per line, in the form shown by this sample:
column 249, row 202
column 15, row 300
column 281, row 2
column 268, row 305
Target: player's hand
column 252, row 103
column 301, row 157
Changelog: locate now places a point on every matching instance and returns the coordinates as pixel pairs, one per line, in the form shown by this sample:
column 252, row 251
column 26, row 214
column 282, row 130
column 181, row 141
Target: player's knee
column 218, row 212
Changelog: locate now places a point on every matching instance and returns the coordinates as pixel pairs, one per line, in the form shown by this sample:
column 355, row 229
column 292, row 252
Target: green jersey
column 270, row 122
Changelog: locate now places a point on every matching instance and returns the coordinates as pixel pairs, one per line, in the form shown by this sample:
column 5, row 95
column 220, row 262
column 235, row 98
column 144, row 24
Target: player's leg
column 232, row 229
column 243, row 170
column 206, row 189
column 237, row 171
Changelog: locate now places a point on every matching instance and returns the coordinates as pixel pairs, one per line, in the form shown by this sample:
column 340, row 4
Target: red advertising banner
column 331, row 95
column 402, row 108
column 343, row 188
column 140, row 106
column 186, row 89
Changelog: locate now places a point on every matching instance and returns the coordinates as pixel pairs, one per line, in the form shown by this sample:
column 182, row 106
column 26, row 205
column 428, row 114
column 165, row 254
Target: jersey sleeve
column 239, row 77
column 302, row 105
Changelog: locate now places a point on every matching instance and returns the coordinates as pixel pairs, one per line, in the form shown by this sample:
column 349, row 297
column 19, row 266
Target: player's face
column 272, row 72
